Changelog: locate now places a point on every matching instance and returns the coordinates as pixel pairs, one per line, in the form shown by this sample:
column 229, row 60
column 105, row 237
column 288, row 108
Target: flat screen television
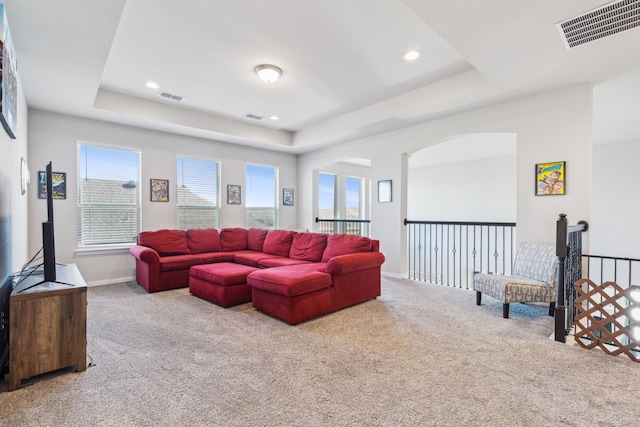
column 48, row 240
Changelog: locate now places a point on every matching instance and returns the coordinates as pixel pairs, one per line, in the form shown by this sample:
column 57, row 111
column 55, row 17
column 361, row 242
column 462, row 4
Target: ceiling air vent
column 171, row 96
column 599, row 23
column 253, row 116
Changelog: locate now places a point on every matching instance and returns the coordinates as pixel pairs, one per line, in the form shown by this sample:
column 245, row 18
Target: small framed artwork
column 287, row 196
column 159, row 190
column 59, row 185
column 384, row 191
column 234, row 195
column 550, row 178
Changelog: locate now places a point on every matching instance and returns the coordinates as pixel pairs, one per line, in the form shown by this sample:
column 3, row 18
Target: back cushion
column 165, row 242
column 537, row 261
column 203, row 240
column 233, row 239
column 278, row 242
column 343, row 244
column 308, row 246
column 255, row 239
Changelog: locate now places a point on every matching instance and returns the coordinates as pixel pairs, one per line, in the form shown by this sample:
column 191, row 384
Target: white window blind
column 261, row 197
column 198, row 199
column 108, row 195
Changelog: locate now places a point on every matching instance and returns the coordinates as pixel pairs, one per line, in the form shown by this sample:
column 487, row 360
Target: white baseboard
column 394, row 275
column 111, row 281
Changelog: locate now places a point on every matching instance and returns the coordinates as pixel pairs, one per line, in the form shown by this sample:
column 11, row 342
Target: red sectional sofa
column 290, row 275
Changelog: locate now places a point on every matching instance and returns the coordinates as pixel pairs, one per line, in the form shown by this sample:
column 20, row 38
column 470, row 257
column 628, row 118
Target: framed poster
column 287, row 196
column 550, row 179
column 384, row 191
column 8, row 71
column 59, row 185
column 159, row 190
column 234, row 196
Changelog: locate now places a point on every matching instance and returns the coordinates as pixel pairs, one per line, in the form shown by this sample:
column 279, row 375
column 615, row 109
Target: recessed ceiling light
column 152, row 85
column 274, row 118
column 412, row 55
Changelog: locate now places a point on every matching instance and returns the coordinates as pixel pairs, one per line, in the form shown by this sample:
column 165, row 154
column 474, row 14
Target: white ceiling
column 344, row 76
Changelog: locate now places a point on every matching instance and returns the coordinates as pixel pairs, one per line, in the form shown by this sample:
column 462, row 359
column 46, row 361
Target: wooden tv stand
column 47, row 325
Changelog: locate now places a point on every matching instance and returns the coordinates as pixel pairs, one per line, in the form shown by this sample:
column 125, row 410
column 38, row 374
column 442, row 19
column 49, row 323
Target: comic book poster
column 59, row 185
column 550, row 178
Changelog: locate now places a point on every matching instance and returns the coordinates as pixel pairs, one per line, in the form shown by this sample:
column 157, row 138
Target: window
column 108, row 195
column 198, row 199
column 326, row 196
column 353, row 195
column 262, row 197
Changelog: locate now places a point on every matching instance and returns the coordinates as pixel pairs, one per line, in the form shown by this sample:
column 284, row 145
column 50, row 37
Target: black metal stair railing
column 360, row 227
column 449, row 252
column 569, row 253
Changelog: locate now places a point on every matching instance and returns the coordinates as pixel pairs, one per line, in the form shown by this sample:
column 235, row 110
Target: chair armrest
column 145, row 254
column 354, row 262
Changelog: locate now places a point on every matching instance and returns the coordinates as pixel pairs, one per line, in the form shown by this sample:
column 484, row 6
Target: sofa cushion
column 233, row 239
column 278, row 242
column 222, row 274
column 308, row 246
column 255, row 239
column 178, row 262
column 343, row 244
column 278, row 261
column 251, row 258
column 289, row 281
column 203, row 240
column 165, row 242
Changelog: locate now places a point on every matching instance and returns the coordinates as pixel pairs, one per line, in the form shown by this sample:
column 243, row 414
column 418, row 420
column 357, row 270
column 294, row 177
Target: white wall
column 616, row 201
column 482, row 190
column 13, row 205
column 53, row 137
column 554, row 126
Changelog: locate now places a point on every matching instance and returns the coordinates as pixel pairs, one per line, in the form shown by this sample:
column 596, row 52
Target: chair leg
column 478, row 297
column 505, row 310
column 552, row 308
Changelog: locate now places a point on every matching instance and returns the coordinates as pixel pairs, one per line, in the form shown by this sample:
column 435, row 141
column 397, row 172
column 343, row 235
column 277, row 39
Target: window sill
column 117, row 249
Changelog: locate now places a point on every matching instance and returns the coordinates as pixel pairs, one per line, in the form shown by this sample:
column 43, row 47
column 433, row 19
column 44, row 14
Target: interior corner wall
column 553, row 126
column 54, row 137
column 13, row 204
column 615, row 201
column 483, row 190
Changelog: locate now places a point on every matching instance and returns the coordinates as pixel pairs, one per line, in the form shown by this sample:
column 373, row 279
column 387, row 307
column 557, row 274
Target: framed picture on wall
column 550, row 179
column 159, row 190
column 287, row 196
column 384, row 191
column 234, row 195
column 59, row 185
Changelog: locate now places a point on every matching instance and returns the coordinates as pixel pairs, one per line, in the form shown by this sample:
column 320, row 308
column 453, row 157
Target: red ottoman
column 222, row 283
column 292, row 294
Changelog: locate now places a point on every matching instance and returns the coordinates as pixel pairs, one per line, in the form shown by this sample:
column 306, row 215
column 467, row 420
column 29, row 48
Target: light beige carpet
column 420, row 354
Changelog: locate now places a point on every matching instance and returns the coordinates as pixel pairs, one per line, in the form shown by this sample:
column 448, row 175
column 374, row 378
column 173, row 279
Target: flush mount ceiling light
column 268, row 73
column 152, row 85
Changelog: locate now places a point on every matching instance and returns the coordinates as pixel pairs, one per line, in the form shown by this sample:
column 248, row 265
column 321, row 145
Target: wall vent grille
column 599, row 23
column 171, row 96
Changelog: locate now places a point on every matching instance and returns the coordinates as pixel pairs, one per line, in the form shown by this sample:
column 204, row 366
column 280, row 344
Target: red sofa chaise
column 290, row 275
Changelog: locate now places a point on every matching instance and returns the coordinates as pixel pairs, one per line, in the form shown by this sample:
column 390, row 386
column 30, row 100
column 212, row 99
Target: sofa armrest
column 145, row 254
column 354, row 262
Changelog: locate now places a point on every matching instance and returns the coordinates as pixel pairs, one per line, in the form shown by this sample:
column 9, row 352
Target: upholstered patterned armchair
column 533, row 279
